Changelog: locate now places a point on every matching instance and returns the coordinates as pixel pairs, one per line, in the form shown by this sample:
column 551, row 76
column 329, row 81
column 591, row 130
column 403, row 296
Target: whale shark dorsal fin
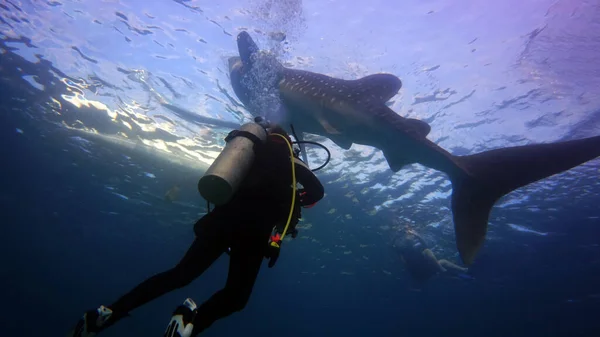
column 422, row 128
column 381, row 86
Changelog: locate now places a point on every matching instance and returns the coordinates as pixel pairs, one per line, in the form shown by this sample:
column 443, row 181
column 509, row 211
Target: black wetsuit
column 244, row 225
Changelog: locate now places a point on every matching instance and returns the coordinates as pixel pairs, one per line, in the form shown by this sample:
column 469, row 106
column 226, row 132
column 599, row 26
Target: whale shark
column 355, row 112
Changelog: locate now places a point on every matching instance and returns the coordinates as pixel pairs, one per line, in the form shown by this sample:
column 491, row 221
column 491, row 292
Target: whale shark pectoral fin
column 421, row 127
column 382, row 86
column 341, row 142
column 396, row 160
column 319, row 115
column 325, row 124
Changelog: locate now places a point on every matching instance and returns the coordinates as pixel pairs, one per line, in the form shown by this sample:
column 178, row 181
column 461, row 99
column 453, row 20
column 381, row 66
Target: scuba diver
column 420, row 262
column 253, row 186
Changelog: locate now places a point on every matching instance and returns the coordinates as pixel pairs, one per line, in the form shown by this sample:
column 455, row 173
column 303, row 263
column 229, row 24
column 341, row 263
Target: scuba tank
column 223, row 178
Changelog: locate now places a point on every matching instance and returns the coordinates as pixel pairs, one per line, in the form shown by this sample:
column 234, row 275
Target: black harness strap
column 238, row 133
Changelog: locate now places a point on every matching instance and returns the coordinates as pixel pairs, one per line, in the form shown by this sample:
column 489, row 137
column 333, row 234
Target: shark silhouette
column 354, row 111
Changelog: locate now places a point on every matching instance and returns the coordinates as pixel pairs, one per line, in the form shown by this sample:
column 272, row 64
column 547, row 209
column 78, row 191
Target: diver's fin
column 422, row 128
column 182, row 321
column 492, row 174
column 94, row 321
column 382, row 86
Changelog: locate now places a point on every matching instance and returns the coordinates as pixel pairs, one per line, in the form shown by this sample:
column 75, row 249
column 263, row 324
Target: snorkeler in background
column 172, row 194
column 419, row 260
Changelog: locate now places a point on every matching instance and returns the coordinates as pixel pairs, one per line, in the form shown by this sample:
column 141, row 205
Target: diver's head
column 272, row 128
column 260, row 120
column 404, row 228
column 278, row 130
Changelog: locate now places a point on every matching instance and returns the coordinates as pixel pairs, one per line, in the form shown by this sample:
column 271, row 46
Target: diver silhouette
column 249, row 228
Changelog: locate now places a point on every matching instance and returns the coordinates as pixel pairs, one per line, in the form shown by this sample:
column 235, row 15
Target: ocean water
column 106, row 105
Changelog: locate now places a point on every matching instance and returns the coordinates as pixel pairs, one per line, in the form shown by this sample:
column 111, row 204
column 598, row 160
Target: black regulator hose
column 319, row 145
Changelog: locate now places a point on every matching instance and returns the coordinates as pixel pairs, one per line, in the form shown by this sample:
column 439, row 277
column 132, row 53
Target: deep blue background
column 62, row 253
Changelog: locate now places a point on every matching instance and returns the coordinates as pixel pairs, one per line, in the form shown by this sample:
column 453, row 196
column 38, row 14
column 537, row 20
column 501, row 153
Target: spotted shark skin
column 354, row 111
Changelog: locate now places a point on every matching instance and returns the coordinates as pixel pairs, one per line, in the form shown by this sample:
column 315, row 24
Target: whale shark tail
column 487, row 176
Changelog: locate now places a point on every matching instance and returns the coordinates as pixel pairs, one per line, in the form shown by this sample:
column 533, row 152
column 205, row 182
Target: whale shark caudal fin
column 492, row 174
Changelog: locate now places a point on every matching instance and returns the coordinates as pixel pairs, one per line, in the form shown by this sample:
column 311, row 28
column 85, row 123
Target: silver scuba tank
column 223, row 178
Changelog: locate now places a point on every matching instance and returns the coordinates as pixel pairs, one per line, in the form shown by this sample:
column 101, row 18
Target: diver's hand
column 305, row 199
column 301, row 195
column 272, row 255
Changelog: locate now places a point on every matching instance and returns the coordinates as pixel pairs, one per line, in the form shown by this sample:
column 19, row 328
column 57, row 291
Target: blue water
column 84, row 220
